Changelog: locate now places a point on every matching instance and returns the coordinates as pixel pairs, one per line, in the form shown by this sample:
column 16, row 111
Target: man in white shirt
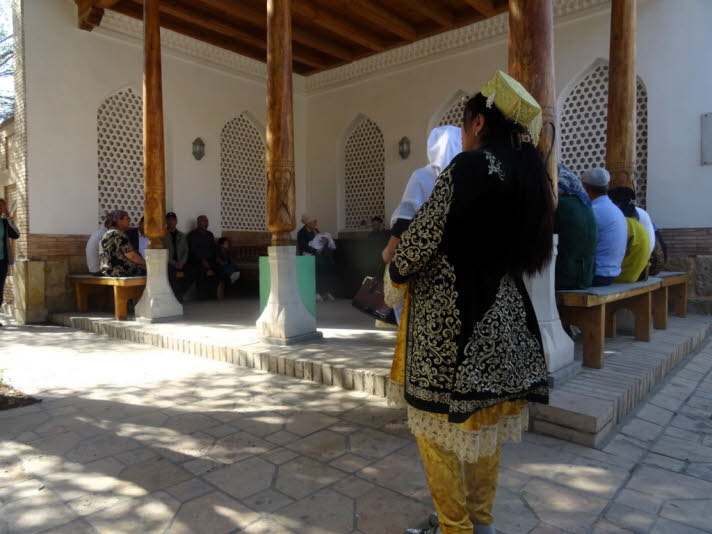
column 92, row 250
column 647, row 223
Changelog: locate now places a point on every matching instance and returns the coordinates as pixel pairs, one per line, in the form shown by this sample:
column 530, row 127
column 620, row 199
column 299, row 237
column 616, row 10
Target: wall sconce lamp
column 198, row 148
column 404, row 147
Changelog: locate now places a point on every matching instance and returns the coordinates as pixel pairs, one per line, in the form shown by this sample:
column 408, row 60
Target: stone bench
column 593, row 311
column 125, row 288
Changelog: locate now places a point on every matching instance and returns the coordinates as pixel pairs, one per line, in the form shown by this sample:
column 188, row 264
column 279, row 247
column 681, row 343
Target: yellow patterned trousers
column 463, row 493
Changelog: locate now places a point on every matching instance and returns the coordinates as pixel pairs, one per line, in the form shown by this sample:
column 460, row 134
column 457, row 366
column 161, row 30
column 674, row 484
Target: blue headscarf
column 570, row 184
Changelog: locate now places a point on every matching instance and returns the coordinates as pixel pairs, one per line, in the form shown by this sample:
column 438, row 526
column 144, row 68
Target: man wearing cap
column 176, row 243
column 612, row 227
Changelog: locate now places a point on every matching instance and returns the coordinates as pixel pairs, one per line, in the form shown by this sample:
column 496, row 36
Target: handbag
column 370, row 300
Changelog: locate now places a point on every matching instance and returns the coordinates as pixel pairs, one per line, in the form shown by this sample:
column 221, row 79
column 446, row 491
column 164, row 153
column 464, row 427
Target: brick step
column 587, row 407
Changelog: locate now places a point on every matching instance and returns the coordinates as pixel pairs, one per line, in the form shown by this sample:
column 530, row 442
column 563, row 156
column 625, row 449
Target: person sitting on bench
column 202, row 259
column 637, row 253
column 117, row 255
column 92, row 248
column 612, row 228
column 176, row 243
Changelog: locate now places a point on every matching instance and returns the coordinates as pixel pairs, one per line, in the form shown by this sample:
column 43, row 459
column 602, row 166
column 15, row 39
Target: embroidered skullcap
column 515, row 103
column 596, row 177
column 306, row 218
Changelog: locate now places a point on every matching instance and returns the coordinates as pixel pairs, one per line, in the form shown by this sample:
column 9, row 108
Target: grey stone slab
column 215, row 513
column 304, row 423
column 400, row 474
column 639, row 501
column 699, row 470
column 149, row 515
column 324, row 445
column 668, row 485
column 101, row 446
column 375, row 512
column 321, row 513
column 664, row 462
column 243, row 478
column 570, row 434
column 189, row 489
column 350, row 463
column 302, row 476
column 665, row 526
column 682, row 450
column 269, row 526
column 562, row 507
column 155, row 474
column 606, row 527
column 627, row 447
column 630, row 518
column 694, row 513
column 238, row 446
column 268, row 500
column 373, row 444
column 642, row 430
column 353, row 486
column 512, row 515
column 655, row 414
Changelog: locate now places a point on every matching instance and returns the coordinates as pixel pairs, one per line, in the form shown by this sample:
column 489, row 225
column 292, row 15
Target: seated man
column 202, row 259
column 637, row 253
column 117, row 255
column 176, row 243
column 138, row 238
column 575, row 224
column 611, row 224
column 92, row 248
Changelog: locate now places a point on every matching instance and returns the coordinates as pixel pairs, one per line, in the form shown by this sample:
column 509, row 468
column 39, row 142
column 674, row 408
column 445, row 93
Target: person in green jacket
column 637, row 252
column 575, row 224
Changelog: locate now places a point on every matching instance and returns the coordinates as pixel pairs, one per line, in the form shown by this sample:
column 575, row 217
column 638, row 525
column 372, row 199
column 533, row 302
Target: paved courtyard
column 130, row 438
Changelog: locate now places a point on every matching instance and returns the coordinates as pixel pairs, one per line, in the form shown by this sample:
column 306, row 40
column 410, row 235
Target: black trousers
column 3, row 274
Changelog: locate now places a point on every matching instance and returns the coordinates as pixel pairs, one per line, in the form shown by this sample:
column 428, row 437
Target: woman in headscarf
column 469, row 354
column 310, row 243
column 444, row 143
column 637, row 251
column 117, row 256
column 578, row 234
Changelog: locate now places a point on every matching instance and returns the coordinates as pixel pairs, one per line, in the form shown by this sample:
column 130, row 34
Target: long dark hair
column 624, row 198
column 533, row 213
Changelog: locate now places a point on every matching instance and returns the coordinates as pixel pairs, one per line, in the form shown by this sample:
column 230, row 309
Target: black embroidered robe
column 473, row 340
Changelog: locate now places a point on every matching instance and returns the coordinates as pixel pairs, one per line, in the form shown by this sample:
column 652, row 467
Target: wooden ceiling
column 326, row 33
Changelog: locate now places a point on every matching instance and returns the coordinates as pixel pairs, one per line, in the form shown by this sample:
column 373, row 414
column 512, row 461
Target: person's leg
column 3, row 276
column 443, row 470
column 481, row 486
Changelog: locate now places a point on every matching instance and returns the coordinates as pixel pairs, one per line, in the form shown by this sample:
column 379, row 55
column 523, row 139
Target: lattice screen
column 120, row 142
column 364, row 175
column 583, row 127
column 243, row 191
column 453, row 116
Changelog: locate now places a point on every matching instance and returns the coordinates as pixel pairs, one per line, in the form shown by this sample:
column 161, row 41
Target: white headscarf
column 444, row 143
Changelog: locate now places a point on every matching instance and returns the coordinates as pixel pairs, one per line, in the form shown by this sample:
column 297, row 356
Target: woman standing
column 469, row 354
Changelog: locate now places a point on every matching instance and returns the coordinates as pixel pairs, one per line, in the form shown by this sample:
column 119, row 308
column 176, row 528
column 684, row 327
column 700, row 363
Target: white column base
column 285, row 320
column 158, row 301
column 558, row 346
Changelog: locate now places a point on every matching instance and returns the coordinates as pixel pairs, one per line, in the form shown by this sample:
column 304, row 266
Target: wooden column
column 620, row 144
column 154, row 167
column 531, row 62
column 280, row 130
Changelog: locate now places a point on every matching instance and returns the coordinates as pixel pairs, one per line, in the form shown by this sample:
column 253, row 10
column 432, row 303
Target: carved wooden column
column 620, row 143
column 285, row 319
column 157, row 301
column 531, row 62
column 280, row 124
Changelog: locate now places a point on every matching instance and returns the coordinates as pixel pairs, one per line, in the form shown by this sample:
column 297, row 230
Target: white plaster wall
column 71, row 71
column 673, row 49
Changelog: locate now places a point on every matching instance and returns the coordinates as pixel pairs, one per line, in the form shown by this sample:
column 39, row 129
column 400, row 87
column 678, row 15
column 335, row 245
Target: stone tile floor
column 131, row 438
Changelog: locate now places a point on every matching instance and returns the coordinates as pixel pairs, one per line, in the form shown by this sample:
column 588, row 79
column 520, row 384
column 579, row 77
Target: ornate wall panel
column 243, row 192
column 120, row 157
column 364, row 174
column 584, row 115
column 453, row 115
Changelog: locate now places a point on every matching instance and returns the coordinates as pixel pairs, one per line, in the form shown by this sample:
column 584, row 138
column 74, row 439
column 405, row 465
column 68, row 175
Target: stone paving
column 131, row 438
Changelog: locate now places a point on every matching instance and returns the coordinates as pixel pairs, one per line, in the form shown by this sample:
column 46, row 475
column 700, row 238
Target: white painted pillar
column 558, row 346
column 158, row 301
column 285, row 320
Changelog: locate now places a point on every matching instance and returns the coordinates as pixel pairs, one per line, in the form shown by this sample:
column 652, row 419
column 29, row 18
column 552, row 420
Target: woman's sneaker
column 429, row 530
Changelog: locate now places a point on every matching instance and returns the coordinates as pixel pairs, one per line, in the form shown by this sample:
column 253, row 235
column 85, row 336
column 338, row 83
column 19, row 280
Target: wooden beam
column 106, row 4
column 281, row 203
column 486, row 7
column 338, row 25
column 531, row 62
column 378, row 16
column 620, row 141
column 154, row 161
column 88, row 15
column 228, row 9
column 197, row 20
column 434, row 11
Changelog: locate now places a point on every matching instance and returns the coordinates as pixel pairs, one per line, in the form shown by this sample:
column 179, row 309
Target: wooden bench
column 673, row 290
column 125, row 289
column 593, row 311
